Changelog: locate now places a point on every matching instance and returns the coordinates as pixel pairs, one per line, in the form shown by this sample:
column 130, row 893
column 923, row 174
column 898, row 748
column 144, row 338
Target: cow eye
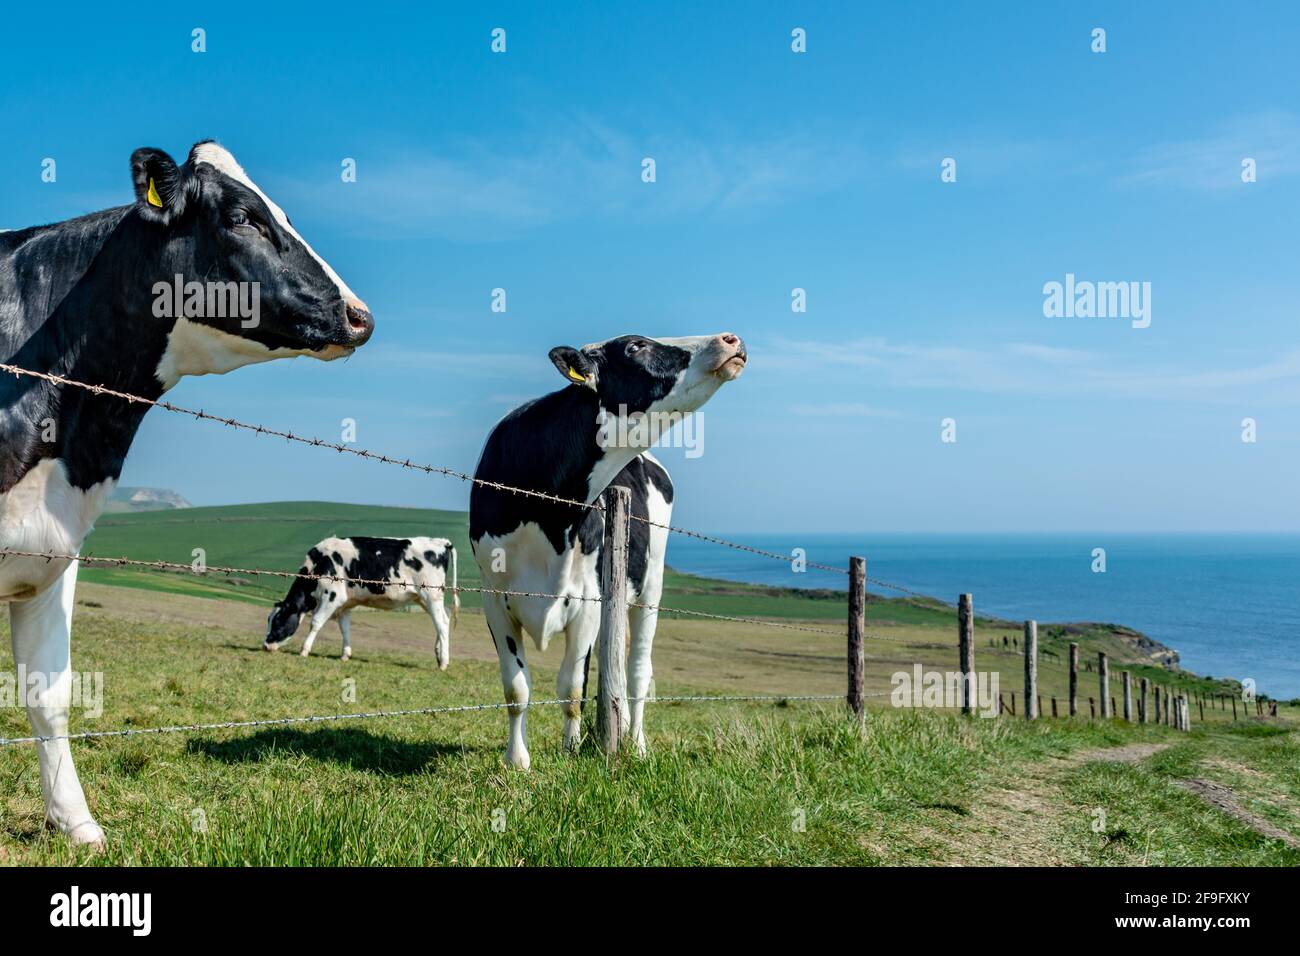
column 241, row 220
column 634, row 347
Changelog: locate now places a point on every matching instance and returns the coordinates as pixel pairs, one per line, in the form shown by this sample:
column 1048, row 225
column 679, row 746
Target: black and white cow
column 563, row 444
column 415, row 571
column 86, row 299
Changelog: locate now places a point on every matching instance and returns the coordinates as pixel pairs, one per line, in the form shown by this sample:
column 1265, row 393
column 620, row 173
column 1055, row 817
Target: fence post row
column 966, row 653
column 857, row 627
column 1074, row 680
column 1103, row 669
column 611, row 690
column 1032, row 705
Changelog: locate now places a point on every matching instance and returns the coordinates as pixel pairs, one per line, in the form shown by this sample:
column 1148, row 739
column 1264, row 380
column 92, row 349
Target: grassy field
column 724, row 783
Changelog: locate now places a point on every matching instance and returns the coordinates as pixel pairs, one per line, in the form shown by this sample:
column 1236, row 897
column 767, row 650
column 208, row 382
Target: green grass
column 723, row 784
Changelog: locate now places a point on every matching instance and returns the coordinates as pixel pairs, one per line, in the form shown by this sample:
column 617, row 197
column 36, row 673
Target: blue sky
column 775, row 170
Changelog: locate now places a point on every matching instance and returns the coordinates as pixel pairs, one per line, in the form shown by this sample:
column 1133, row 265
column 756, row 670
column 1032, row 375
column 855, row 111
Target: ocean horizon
column 1228, row 603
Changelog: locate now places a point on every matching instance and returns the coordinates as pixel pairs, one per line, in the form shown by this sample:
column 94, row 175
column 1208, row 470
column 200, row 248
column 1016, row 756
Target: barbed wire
column 176, row 567
column 410, row 712
column 201, row 415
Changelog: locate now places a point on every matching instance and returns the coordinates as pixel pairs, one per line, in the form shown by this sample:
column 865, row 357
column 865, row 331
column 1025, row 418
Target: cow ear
column 574, row 365
column 161, row 191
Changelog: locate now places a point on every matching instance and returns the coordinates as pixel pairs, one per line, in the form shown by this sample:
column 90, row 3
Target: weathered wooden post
column 1074, row 679
column 611, row 690
column 1092, row 707
column 1156, row 689
column 1234, row 708
column 857, row 627
column 1144, row 713
column 1128, row 698
column 1200, row 704
column 1054, row 714
column 1103, row 669
column 966, row 653
column 1032, row 705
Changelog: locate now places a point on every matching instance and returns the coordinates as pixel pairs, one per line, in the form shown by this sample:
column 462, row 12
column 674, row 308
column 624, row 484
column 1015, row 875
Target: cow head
column 633, row 374
column 281, row 624
column 251, row 288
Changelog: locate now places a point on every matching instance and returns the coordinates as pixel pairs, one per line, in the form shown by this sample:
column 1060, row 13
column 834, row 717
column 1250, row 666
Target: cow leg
column 570, row 683
column 319, row 618
column 515, row 680
column 345, row 627
column 433, row 603
column 42, row 638
column 643, row 622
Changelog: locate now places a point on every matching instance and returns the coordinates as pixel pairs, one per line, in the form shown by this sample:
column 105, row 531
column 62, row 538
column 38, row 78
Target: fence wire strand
column 410, row 712
column 341, row 448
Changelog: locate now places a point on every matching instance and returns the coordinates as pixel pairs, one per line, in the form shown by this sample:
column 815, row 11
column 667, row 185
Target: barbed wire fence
column 612, row 695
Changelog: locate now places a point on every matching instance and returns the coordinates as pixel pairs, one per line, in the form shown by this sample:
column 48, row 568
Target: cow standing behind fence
column 385, row 573
column 94, row 299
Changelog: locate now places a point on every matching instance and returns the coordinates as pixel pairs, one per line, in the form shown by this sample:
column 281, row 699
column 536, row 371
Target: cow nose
column 735, row 341
column 361, row 324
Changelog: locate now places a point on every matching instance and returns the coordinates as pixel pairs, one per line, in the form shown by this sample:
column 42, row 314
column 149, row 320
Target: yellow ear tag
column 573, row 374
column 153, row 197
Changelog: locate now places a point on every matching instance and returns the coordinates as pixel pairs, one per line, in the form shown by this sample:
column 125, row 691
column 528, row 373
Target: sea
column 1229, row 604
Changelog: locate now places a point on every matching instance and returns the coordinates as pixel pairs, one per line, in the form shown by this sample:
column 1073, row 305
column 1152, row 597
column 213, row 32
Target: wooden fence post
column 857, row 625
column 1156, row 693
column 1092, row 707
column 966, row 653
column 1200, row 704
column 1074, row 679
column 1054, row 707
column 1143, row 714
column 1103, row 669
column 611, row 689
column 1234, row 708
column 1128, row 698
column 1032, row 706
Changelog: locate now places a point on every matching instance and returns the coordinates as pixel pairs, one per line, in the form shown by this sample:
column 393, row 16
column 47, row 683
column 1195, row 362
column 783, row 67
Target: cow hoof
column 347, row 656
column 302, row 653
column 88, row 834
column 520, row 761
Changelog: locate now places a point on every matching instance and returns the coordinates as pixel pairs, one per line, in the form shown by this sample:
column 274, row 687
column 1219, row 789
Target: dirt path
column 1133, row 753
column 1225, row 799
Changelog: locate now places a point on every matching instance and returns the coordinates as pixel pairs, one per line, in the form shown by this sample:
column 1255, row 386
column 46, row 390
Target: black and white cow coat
column 413, row 571
column 79, row 299
column 560, row 445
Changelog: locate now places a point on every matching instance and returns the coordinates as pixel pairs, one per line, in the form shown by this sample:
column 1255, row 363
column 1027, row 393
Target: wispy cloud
column 1214, row 162
column 1026, row 368
column 478, row 190
column 842, row 410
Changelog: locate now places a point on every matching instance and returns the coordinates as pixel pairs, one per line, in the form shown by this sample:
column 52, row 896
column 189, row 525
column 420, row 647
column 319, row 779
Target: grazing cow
column 417, row 569
column 561, row 444
column 96, row 299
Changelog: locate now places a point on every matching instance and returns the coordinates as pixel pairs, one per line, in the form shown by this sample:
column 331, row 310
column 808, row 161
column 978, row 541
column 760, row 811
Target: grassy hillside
column 276, row 536
column 724, row 784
